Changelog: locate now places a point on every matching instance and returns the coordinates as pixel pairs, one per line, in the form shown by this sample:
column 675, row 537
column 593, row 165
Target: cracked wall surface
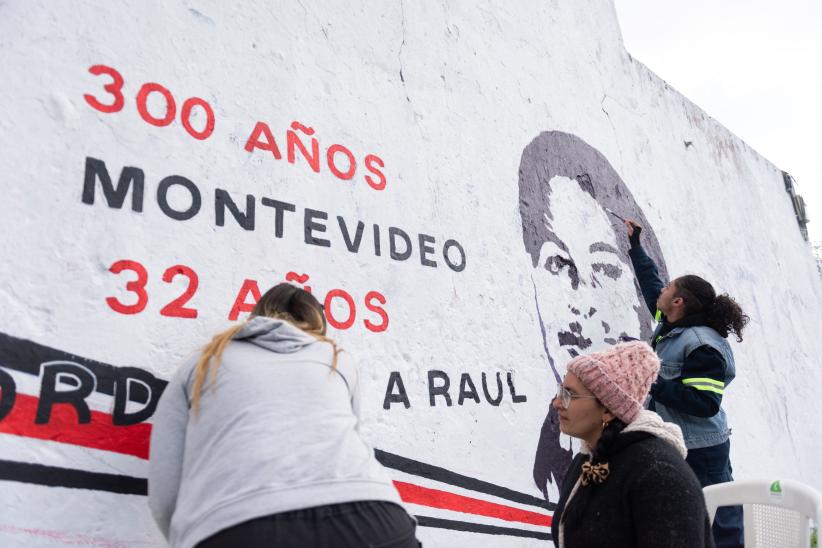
column 452, row 219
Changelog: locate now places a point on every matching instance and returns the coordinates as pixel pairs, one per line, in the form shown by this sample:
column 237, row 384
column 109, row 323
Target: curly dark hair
column 722, row 313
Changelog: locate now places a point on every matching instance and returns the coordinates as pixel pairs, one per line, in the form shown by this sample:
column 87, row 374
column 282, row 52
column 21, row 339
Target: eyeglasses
column 565, row 396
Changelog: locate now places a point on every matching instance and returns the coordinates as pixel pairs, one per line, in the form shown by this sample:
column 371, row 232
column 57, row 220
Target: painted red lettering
column 352, row 162
column 370, row 161
column 380, row 298
column 115, row 88
column 269, row 144
column 293, row 141
column 142, row 106
column 298, row 278
column 176, row 308
column 137, row 287
column 240, row 304
column 352, row 309
column 185, row 118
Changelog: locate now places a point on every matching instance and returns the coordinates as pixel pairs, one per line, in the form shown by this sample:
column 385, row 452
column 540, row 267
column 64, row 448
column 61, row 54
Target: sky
column 753, row 65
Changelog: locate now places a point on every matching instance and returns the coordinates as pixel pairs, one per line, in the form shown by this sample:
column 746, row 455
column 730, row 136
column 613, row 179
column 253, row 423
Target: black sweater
column 650, row 499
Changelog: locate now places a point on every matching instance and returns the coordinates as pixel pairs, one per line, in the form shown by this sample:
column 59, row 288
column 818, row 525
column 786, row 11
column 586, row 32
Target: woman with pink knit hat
column 630, row 485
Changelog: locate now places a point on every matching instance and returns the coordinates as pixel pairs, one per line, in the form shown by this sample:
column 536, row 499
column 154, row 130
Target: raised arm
column 646, row 271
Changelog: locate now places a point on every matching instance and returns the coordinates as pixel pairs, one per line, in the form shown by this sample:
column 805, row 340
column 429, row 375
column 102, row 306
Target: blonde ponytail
column 213, row 350
column 284, row 301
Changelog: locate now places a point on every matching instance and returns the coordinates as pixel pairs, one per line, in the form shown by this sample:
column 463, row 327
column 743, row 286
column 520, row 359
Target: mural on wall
column 54, row 396
column 60, row 412
column 52, row 402
column 154, row 187
column 564, row 184
column 585, row 292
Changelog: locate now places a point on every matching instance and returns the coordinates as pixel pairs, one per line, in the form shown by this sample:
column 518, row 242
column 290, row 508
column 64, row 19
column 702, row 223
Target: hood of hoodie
column 274, row 334
column 651, row 423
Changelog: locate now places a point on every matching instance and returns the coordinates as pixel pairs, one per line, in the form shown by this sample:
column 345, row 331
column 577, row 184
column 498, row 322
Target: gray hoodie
column 277, row 432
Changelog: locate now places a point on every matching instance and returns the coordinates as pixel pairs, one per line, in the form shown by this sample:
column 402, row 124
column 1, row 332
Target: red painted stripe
column 435, row 498
column 101, row 433
column 62, row 427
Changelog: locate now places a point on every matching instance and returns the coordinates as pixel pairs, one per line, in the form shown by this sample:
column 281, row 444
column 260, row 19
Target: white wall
column 448, row 97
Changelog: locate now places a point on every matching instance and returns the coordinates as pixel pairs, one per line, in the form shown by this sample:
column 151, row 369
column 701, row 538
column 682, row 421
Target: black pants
column 712, row 465
column 365, row 524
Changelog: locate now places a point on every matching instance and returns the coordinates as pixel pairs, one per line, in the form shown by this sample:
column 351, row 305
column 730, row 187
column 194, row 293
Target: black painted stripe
column 28, row 356
column 436, row 473
column 425, row 521
column 53, row 476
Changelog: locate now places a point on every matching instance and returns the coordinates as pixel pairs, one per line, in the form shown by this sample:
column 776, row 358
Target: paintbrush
column 615, row 215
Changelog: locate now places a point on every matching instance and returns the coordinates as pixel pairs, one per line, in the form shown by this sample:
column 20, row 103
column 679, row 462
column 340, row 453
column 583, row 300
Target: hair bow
column 596, row 473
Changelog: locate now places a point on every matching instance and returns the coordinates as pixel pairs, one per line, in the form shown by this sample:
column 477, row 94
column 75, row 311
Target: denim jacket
column 672, row 348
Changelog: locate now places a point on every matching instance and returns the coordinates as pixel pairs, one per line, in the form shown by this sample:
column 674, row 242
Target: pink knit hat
column 620, row 377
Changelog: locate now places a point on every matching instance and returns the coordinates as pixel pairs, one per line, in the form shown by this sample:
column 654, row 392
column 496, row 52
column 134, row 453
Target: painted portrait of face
column 585, row 292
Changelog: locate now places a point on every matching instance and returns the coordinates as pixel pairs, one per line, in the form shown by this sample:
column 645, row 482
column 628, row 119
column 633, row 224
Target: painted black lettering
column 310, row 225
column 162, row 198
column 73, row 374
column 222, row 200
column 137, row 385
column 467, row 389
column 442, row 390
column 456, row 267
column 516, row 398
column 8, row 393
column 279, row 209
column 493, row 401
column 354, row 246
column 393, row 233
column 115, row 197
column 426, row 250
column 377, row 240
column 395, row 383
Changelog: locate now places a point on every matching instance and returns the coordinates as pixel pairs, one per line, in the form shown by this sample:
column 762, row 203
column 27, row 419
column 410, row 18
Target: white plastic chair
column 777, row 513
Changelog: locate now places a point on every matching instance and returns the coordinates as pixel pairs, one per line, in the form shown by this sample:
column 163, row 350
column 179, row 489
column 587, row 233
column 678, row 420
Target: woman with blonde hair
column 255, row 441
